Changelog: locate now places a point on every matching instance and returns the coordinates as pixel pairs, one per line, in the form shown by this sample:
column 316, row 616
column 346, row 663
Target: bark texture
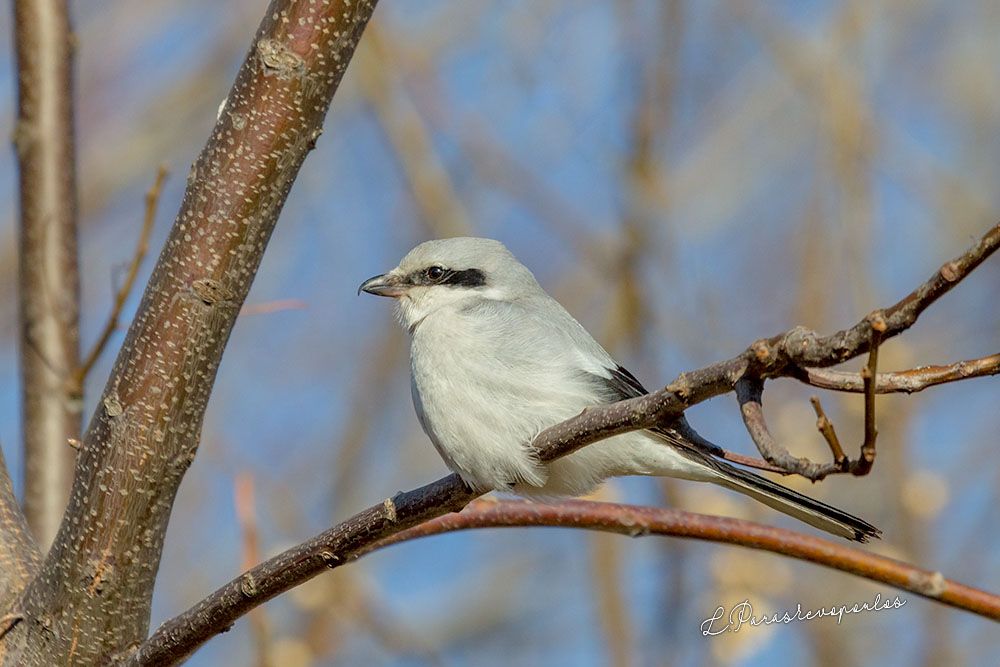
column 49, row 277
column 90, row 602
column 18, row 553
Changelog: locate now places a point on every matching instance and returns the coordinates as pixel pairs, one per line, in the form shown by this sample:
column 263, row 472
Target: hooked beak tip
column 383, row 285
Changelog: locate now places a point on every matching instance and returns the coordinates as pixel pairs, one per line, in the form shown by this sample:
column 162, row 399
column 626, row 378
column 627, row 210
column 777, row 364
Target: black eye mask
column 462, row 278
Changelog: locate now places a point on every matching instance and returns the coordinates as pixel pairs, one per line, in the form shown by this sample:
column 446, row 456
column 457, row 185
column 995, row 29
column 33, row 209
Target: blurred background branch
column 49, row 285
column 244, row 501
column 123, row 291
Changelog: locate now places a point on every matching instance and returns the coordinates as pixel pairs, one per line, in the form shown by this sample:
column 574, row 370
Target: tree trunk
column 90, row 602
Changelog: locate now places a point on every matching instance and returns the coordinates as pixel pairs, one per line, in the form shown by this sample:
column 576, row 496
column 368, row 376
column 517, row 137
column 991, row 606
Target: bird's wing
column 620, row 385
column 556, row 339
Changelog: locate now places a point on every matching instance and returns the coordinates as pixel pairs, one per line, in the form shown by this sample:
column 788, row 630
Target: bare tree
column 86, row 600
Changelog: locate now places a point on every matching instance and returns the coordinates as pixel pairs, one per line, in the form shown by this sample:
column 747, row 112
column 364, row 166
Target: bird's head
column 450, row 273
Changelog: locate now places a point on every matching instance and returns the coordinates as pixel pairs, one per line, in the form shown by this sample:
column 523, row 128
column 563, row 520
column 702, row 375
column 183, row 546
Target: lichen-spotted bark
column 18, row 553
column 90, row 602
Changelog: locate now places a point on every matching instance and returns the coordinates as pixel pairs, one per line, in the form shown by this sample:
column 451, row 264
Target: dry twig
column 749, row 393
column 867, row 458
column 121, row 296
column 825, row 427
column 908, row 381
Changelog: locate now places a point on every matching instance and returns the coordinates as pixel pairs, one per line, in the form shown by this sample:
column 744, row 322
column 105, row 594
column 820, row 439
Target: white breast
column 478, row 413
column 486, row 381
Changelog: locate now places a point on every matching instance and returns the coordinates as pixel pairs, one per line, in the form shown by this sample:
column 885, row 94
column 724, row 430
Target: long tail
column 823, row 516
column 687, row 442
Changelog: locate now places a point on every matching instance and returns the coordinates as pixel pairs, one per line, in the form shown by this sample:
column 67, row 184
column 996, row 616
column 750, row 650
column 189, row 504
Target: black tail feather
column 786, row 500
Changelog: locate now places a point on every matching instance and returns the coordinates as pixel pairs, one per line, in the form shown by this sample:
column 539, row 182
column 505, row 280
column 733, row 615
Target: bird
column 495, row 360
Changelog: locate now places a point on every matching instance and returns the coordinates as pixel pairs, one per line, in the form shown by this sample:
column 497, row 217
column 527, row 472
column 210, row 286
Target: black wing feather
column 623, row 385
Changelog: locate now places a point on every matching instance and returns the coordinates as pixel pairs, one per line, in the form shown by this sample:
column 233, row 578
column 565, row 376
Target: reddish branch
column 49, row 276
column 782, row 355
column 638, row 521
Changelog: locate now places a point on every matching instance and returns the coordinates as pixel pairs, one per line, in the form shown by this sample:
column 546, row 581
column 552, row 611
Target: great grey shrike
column 495, row 360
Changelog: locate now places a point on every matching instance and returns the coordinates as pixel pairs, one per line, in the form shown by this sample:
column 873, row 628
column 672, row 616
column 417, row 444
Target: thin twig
column 121, row 296
column 908, row 381
column 825, row 427
column 749, row 392
column 268, row 307
column 753, row 462
column 804, row 348
column 868, row 373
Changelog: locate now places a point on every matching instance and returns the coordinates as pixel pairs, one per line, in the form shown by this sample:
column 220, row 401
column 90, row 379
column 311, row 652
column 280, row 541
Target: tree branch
column 908, row 381
column 867, row 458
column 749, row 394
column 825, row 427
column 19, row 555
column 180, row 636
column 49, row 275
column 91, row 599
column 637, row 521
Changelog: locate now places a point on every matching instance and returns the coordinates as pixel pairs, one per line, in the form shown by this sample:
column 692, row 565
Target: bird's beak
column 384, row 285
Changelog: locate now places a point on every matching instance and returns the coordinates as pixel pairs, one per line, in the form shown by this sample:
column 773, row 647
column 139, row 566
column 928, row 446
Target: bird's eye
column 435, row 273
